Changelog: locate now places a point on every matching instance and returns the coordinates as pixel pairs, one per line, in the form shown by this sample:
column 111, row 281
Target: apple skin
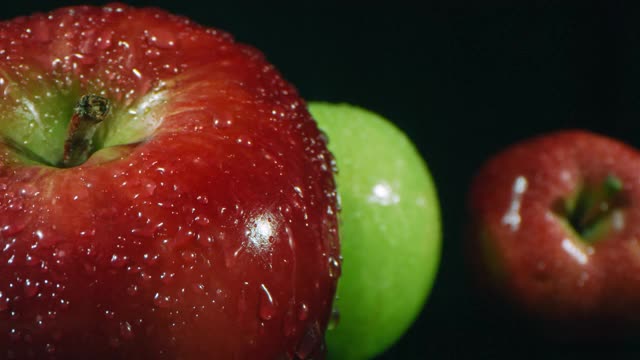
column 204, row 224
column 389, row 229
column 526, row 254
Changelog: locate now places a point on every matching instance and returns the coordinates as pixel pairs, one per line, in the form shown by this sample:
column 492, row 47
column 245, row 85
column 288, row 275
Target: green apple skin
column 389, row 226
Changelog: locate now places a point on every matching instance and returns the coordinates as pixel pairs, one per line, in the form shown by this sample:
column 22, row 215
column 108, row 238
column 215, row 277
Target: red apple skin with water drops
column 527, row 252
column 203, row 225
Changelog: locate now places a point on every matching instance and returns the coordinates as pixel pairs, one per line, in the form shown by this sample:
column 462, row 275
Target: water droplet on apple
column 334, row 267
column 161, row 301
column 118, row 261
column 40, row 324
column 4, row 302
column 31, row 260
column 202, row 199
column 150, row 188
column 15, row 205
column 266, row 307
column 199, row 288
column 145, row 278
column 126, row 330
column 202, row 220
column 15, row 335
column 311, row 341
column 28, row 190
column 167, row 277
column 103, row 41
column 14, row 228
column 334, row 165
column 219, row 123
column 303, row 312
column 244, row 140
column 109, row 314
column 150, row 259
column 50, row 348
column 132, row 289
column 146, row 231
column 161, row 38
column 63, row 304
column 334, row 319
column 30, row 288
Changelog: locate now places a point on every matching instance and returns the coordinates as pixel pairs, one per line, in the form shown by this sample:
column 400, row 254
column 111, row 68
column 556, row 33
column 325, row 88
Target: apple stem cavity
column 90, row 111
column 589, row 212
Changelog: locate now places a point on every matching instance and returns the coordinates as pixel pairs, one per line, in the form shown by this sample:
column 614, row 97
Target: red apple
column 556, row 231
column 202, row 224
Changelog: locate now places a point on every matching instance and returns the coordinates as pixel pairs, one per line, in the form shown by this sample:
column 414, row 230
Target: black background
column 463, row 80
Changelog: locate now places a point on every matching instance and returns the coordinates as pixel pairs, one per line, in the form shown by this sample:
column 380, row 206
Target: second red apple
column 556, row 230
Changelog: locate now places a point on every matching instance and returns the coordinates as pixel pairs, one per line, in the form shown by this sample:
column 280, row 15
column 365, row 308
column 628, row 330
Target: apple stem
column 90, row 112
column 594, row 206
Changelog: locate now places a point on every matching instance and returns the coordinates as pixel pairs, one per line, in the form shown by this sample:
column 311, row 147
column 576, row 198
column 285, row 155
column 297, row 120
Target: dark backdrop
column 462, row 80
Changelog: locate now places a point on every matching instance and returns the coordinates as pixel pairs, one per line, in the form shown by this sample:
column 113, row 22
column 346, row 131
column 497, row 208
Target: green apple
column 389, row 226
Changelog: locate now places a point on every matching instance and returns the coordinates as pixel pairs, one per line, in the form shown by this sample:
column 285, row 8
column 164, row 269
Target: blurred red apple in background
column 556, row 232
